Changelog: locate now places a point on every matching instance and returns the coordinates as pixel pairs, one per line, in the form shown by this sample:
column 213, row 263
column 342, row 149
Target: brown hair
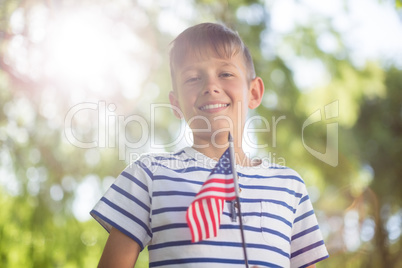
column 205, row 38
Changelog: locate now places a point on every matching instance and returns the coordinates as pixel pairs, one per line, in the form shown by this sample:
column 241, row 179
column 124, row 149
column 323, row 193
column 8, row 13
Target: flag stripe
column 204, row 220
column 218, row 180
column 200, row 229
column 209, row 220
column 204, row 214
column 191, row 221
column 215, row 191
column 220, row 207
column 212, row 208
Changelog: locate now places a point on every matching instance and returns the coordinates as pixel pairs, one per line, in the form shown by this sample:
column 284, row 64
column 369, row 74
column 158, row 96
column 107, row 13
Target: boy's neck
column 215, row 150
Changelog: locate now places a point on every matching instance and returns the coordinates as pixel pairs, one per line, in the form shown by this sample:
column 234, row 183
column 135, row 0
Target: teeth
column 213, row 106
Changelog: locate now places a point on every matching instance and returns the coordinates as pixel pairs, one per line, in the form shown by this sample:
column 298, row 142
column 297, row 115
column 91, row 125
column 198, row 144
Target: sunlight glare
column 79, row 48
column 86, row 51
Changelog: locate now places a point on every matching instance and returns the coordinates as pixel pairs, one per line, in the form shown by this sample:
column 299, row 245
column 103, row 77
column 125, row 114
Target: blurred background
column 84, row 90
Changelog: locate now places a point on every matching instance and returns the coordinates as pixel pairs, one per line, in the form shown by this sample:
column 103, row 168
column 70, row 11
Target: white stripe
column 192, row 222
column 208, row 217
column 218, row 185
column 216, row 213
column 221, row 176
column 214, row 194
column 199, row 219
column 220, row 211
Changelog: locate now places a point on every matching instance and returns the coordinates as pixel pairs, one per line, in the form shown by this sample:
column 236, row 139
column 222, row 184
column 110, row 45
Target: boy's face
column 213, row 94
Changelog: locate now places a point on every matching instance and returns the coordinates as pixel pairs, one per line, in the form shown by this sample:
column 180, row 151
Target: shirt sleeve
column 126, row 205
column 307, row 245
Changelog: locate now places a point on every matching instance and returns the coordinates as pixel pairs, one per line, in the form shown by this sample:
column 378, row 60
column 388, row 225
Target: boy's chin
column 218, row 137
column 211, row 131
column 212, row 126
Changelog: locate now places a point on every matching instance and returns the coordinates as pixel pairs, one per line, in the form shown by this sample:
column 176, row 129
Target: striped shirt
column 149, row 200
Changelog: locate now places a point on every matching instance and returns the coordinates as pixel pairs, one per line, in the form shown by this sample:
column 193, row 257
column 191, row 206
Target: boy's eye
column 224, row 75
column 192, row 79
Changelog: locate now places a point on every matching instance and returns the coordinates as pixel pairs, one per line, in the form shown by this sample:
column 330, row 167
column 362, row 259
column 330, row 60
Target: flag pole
column 236, row 183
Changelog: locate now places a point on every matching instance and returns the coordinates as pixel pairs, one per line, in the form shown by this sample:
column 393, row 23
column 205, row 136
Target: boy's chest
column 263, row 213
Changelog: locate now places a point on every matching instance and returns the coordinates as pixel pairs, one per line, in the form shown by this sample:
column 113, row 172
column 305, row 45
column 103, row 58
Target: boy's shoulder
column 268, row 169
column 161, row 162
column 163, row 157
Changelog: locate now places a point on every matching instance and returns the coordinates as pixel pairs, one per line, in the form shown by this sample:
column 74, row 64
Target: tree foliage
column 48, row 183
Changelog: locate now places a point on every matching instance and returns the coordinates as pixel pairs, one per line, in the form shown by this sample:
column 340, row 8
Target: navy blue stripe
column 118, row 227
column 194, row 260
column 315, row 261
column 181, row 170
column 278, row 167
column 179, row 153
column 169, row 226
column 198, row 168
column 127, row 214
column 247, row 200
column 305, row 249
column 97, row 216
column 145, row 168
column 267, row 230
column 173, row 159
column 285, row 177
column 171, row 244
column 223, row 227
column 168, row 193
column 169, row 209
column 175, row 179
column 305, row 215
column 282, row 189
column 254, row 229
column 217, row 243
column 228, row 214
column 209, row 260
column 279, row 218
column 309, row 230
column 305, row 198
column 189, row 169
column 263, row 263
column 270, row 248
column 131, row 197
column 263, row 214
column 135, row 180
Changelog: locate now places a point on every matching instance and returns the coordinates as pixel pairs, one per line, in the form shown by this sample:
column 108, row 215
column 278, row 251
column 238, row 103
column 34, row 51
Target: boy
column 214, row 85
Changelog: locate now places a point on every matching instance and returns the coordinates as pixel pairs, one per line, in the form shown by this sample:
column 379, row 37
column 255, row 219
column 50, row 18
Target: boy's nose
column 210, row 87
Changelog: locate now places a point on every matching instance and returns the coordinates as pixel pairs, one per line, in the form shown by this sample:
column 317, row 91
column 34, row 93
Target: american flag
column 204, row 214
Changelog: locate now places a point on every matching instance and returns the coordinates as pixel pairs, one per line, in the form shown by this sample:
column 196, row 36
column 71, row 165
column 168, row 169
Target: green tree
column 47, row 182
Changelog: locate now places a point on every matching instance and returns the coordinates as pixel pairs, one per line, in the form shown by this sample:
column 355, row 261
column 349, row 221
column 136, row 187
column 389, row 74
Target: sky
column 370, row 29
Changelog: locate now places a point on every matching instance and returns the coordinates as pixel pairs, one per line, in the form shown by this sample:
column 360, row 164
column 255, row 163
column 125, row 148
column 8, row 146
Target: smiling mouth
column 213, row 106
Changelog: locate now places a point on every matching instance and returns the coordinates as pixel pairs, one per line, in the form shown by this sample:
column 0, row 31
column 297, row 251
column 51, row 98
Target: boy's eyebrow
column 223, row 64
column 188, row 68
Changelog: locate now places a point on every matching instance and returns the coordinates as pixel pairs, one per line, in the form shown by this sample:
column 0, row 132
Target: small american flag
column 204, row 214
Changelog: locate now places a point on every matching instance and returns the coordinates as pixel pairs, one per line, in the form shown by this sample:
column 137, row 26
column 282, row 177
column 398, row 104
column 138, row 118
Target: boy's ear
column 175, row 105
column 256, row 93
